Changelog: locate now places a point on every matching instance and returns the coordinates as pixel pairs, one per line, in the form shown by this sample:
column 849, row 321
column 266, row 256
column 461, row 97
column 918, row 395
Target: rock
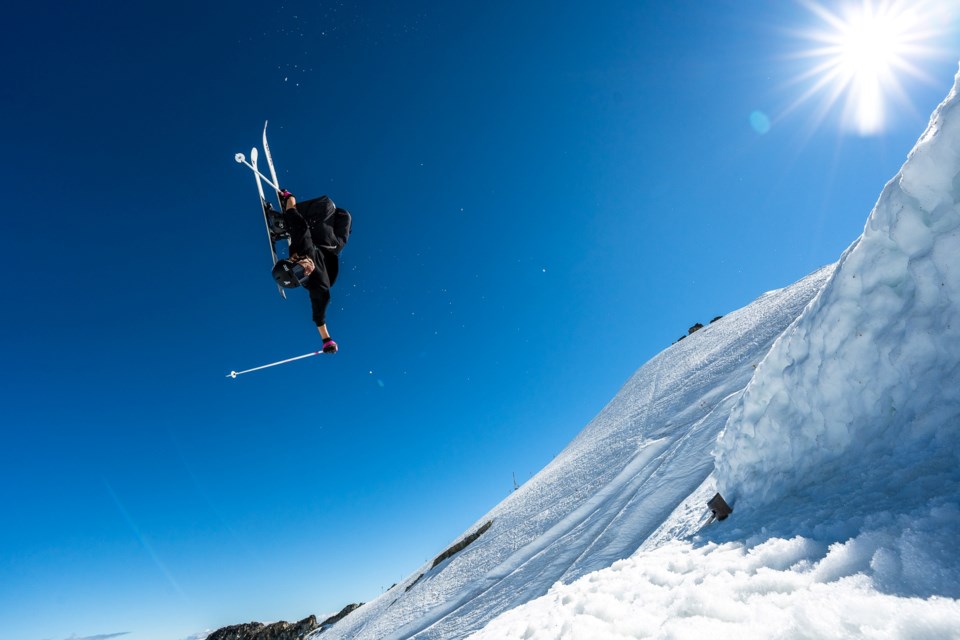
column 332, row 620
column 463, row 544
column 258, row 631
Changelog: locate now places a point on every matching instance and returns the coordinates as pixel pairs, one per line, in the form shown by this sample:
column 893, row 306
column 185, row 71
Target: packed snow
column 605, row 494
column 828, row 415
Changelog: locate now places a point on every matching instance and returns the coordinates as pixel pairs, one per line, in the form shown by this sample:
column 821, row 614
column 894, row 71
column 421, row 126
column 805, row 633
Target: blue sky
column 544, row 197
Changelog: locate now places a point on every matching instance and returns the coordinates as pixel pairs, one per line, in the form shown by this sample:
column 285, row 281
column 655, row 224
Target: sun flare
column 863, row 51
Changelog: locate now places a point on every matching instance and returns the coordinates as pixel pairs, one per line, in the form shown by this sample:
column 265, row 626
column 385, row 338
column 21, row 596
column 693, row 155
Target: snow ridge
column 871, row 371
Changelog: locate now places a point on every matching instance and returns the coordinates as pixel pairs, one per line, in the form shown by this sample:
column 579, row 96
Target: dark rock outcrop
column 332, row 620
column 259, row 631
column 454, row 550
column 463, row 544
column 692, row 330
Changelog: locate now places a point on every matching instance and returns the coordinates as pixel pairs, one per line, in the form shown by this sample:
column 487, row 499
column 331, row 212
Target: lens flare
column 863, row 51
column 760, row 122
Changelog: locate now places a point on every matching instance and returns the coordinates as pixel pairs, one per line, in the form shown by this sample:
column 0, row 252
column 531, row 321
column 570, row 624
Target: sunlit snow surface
column 838, row 399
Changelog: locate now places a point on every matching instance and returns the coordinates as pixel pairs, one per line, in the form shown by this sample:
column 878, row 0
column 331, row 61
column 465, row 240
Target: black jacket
column 319, row 230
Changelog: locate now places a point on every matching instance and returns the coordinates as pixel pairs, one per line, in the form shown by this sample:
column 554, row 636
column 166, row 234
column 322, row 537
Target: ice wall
column 866, row 383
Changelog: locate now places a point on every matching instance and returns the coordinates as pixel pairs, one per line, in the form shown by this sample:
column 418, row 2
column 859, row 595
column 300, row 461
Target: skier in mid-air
column 318, row 232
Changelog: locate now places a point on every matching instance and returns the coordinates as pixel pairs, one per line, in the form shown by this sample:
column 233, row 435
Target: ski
column 269, row 156
column 265, row 207
column 273, row 218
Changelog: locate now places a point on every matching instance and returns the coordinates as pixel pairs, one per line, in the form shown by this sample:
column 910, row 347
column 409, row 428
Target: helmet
column 289, row 274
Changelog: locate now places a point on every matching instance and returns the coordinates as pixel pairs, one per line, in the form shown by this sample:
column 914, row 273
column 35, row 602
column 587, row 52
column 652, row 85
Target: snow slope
column 605, row 493
column 838, row 402
column 841, row 458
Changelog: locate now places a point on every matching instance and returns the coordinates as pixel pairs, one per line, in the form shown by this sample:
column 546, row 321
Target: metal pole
column 243, row 160
column 234, row 374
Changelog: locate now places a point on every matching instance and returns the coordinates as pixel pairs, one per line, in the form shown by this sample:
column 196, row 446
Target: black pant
column 303, row 221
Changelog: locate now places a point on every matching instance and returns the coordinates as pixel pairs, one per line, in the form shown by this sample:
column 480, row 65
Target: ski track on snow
column 603, row 495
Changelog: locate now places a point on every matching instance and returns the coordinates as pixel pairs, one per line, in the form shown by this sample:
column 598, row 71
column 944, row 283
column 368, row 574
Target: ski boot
column 278, row 228
column 329, row 346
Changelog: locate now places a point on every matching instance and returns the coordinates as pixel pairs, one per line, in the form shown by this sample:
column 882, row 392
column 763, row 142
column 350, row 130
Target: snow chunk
column 778, row 589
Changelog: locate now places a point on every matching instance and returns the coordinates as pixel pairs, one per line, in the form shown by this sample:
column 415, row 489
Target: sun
column 862, row 52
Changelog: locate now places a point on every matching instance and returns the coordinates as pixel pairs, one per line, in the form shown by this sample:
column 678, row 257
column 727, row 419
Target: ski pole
column 242, row 159
column 234, row 374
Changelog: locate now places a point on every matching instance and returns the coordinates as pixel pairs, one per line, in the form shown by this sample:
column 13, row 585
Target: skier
column 318, row 231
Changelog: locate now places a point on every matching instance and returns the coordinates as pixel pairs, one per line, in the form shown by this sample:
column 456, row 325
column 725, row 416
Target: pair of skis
column 266, row 206
column 264, row 203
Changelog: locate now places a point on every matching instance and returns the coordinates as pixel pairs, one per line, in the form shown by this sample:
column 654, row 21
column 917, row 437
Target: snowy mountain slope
column 841, row 458
column 605, row 493
column 837, row 403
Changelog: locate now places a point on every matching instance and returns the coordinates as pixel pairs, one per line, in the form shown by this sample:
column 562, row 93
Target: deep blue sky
column 544, row 197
